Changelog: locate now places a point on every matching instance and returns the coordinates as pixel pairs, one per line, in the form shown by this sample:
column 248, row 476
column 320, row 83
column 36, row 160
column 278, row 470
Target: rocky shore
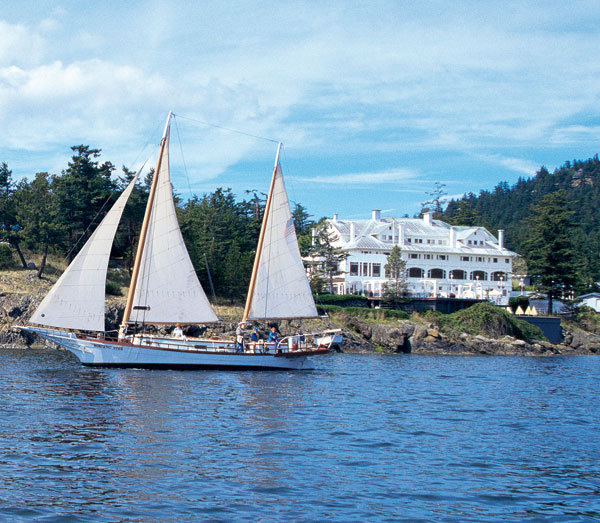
column 360, row 336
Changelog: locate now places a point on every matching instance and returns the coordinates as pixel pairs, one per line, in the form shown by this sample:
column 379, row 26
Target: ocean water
column 360, row 438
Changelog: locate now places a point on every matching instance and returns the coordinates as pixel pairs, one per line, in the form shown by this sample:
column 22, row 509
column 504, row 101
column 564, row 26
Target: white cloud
column 519, row 165
column 366, row 178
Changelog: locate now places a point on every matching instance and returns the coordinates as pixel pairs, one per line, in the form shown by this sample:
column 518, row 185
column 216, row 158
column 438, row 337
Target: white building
column 591, row 300
column 441, row 260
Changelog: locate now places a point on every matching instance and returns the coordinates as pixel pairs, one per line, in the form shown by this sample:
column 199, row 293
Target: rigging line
column 228, row 129
column 185, row 170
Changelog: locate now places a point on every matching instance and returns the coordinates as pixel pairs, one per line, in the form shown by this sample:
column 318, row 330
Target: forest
column 56, row 213
column 551, row 219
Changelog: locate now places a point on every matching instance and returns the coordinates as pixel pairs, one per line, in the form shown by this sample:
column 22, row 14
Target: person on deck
column 300, row 335
column 177, row 331
column 239, row 338
column 273, row 337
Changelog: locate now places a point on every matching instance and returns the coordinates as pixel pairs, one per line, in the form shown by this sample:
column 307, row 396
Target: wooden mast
column 261, row 238
column 144, row 231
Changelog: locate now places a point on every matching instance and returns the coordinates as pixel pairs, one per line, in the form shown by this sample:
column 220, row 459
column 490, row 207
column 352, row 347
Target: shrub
column 112, row 288
column 6, row 257
column 518, row 301
column 487, row 320
column 366, row 313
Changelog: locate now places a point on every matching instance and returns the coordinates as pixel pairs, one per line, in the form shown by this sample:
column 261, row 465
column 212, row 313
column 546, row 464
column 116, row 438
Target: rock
column 31, row 265
column 434, row 333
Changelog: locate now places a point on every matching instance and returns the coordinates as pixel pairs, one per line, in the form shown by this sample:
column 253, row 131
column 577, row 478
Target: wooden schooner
column 164, row 289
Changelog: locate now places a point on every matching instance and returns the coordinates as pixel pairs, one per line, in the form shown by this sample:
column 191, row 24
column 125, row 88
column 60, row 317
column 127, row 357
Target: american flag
column 289, row 228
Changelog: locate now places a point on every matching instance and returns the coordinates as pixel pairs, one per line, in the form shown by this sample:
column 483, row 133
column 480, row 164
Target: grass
column 487, row 320
column 364, row 313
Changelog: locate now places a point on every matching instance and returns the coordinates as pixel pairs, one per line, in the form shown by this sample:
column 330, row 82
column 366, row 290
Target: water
column 378, row 438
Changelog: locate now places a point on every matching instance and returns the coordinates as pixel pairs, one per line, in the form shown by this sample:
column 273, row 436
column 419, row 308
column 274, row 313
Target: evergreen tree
column 38, row 214
column 83, row 192
column 325, row 258
column 396, row 285
column 550, row 251
column 9, row 227
column 437, row 198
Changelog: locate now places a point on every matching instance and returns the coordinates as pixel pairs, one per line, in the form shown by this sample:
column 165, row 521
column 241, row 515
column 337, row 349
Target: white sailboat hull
column 102, row 353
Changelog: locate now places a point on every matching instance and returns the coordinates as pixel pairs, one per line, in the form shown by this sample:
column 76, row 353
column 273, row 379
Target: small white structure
column 441, row 260
column 591, row 300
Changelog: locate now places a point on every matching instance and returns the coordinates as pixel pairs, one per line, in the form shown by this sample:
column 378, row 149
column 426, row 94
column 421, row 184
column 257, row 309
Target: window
column 440, row 242
column 413, row 256
column 415, row 272
column 457, row 274
column 365, row 269
column 353, row 269
column 465, row 258
column 479, row 259
column 507, row 260
column 409, row 240
column 495, row 260
column 442, row 257
column 376, row 270
column 437, row 274
column 427, row 256
column 420, row 240
column 470, row 242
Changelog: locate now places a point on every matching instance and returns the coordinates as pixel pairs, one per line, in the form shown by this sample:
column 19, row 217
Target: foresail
column 167, row 288
column 77, row 299
column 281, row 290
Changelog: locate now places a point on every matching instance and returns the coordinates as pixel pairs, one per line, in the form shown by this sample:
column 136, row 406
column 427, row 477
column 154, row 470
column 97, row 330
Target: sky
column 374, row 101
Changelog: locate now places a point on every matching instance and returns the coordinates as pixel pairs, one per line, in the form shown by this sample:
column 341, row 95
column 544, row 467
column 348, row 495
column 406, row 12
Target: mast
column 261, row 239
column 144, row 230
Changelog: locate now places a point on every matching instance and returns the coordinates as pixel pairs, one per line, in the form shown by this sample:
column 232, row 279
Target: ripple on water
column 359, row 438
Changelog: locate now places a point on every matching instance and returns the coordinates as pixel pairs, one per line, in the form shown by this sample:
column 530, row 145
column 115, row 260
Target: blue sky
column 374, row 101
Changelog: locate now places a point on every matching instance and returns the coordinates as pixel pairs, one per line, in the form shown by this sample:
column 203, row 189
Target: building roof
column 373, row 234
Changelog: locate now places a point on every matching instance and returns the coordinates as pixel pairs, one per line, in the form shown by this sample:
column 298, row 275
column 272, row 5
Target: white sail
column 167, row 286
column 281, row 290
column 77, row 299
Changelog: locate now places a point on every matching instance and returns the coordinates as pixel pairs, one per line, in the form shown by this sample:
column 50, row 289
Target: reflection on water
column 360, row 437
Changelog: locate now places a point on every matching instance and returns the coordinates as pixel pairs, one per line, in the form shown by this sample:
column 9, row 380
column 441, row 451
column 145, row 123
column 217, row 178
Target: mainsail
column 77, row 299
column 167, row 289
column 280, row 289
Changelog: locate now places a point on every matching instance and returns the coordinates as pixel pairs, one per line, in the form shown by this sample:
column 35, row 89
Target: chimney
column 501, row 238
column 352, row 231
column 314, row 236
column 376, row 215
column 335, row 217
column 452, row 238
column 400, row 234
column 427, row 218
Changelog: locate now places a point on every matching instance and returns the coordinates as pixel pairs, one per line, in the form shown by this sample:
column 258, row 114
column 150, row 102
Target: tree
column 395, row 270
column 464, row 213
column 9, row 228
column 83, row 192
column 550, row 251
column 437, row 198
column 325, row 259
column 38, row 215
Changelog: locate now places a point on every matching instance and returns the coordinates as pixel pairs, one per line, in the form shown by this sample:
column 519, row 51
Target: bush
column 487, row 320
column 112, row 288
column 332, row 299
column 366, row 313
column 6, row 257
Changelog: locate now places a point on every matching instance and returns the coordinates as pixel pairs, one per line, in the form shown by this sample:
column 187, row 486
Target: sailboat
column 165, row 290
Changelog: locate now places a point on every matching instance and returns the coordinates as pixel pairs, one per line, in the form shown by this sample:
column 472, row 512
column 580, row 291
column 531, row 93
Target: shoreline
column 360, row 335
